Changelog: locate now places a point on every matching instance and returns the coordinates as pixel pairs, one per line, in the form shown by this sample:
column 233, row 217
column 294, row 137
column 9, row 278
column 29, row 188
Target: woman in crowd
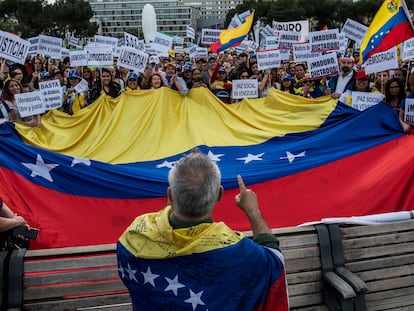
column 395, row 98
column 197, row 79
column 155, row 80
column 72, row 100
column 308, row 88
column 381, row 79
column 287, row 84
column 37, row 68
column 11, row 88
column 88, row 76
column 132, row 82
column 265, row 84
column 104, row 85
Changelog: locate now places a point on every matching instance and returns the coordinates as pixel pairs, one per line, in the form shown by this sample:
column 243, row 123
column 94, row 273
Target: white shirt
column 342, row 82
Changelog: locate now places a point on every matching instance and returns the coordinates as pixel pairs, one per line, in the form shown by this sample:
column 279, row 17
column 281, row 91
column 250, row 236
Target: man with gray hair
column 179, row 259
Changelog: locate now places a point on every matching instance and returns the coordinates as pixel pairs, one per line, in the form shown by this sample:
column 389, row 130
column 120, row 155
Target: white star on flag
column 121, row 271
column 166, row 164
column 41, row 168
column 251, row 157
column 173, row 285
column 84, row 161
column 291, row 157
column 149, row 277
column 195, row 299
column 131, row 273
column 214, row 157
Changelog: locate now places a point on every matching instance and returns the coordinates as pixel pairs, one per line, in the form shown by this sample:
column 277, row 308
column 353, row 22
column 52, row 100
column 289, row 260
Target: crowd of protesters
column 180, row 73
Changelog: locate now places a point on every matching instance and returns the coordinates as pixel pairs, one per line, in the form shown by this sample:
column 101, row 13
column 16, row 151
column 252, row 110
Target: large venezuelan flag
column 82, row 179
column 391, row 25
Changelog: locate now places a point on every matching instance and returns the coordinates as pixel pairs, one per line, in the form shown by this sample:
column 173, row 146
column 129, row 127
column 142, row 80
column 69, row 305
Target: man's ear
column 220, row 194
column 169, row 196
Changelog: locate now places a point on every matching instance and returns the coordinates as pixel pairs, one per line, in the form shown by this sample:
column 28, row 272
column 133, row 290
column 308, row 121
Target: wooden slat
column 378, row 263
column 78, row 250
column 351, row 232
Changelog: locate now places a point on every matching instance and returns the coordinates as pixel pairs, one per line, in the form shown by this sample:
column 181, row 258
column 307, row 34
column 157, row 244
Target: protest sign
column 178, row 49
column 268, row 59
column 382, row 61
column 235, row 22
column 99, row 56
column 178, row 40
column 149, row 49
column 245, row 88
column 287, row 38
column 51, row 94
column 82, row 86
column 323, row 65
column 302, row 52
column 34, row 42
column 133, row 42
column 13, row 48
column 202, row 52
column 74, row 41
column 78, row 58
column 132, row 59
column 284, row 54
column 364, row 100
column 407, row 52
column 296, row 26
column 210, row 36
column 192, row 51
column 162, row 43
column 106, row 41
column 324, row 40
column 343, row 42
column 190, row 32
column 50, row 46
column 354, row 30
column 271, row 42
column 29, row 104
column 409, row 111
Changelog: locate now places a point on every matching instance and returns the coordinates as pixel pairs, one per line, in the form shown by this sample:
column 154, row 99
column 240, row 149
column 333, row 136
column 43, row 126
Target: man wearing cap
column 173, row 81
column 345, row 80
column 132, row 83
column 45, row 76
column 73, row 101
column 308, row 88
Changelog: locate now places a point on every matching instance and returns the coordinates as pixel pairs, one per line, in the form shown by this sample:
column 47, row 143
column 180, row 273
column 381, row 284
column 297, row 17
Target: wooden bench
column 86, row 278
column 382, row 256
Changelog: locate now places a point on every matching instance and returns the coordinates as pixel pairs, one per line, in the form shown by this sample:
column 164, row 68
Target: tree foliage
column 32, row 17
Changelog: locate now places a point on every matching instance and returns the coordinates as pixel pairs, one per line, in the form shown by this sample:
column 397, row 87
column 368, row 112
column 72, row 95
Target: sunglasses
column 244, row 77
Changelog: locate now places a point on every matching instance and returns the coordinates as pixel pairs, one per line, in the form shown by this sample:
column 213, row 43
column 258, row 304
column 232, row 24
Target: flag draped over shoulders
column 204, row 267
column 82, row 179
column 391, row 25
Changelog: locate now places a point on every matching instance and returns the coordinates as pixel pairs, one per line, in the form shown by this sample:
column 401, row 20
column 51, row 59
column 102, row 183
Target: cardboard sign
column 78, row 58
column 99, row 56
column 245, row 88
column 354, row 30
column 364, row 100
column 162, row 43
column 323, row 65
column 51, row 93
column 287, row 38
column 50, row 46
column 302, row 52
column 296, row 26
column 409, row 111
column 132, row 59
column 209, row 36
column 29, row 104
column 133, row 42
column 324, row 40
column 268, row 59
column 13, row 48
column 408, row 50
column 382, row 61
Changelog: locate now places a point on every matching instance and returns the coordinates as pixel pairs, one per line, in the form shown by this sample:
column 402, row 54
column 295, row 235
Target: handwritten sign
column 133, row 42
column 324, row 40
column 302, row 52
column 50, row 46
column 51, row 94
column 106, row 41
column 409, row 111
column 364, row 100
column 132, row 59
column 245, row 88
column 78, row 58
column 382, row 61
column 297, row 26
column 29, row 104
column 408, row 50
column 287, row 38
column 268, row 59
column 323, row 65
column 209, row 36
column 13, row 48
column 99, row 56
column 81, row 87
column 354, row 30
column 34, row 42
column 190, row 32
column 162, row 43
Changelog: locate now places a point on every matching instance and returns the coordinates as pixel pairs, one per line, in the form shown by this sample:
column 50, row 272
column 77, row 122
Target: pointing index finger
column 242, row 186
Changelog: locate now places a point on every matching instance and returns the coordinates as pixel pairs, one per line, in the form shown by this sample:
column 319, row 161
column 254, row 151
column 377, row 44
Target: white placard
column 133, row 42
column 29, row 104
column 202, row 52
column 74, row 41
column 82, row 86
column 78, row 58
column 409, row 111
column 99, row 56
column 382, row 61
column 354, row 30
column 104, row 40
column 178, row 40
column 13, row 48
column 364, row 100
column 407, row 52
column 267, row 31
column 162, row 43
column 323, row 65
column 284, row 54
column 149, row 49
column 297, row 26
column 324, row 40
column 245, row 88
column 190, row 32
column 178, row 49
column 271, row 42
column 210, row 36
column 132, row 59
column 287, row 38
column 268, row 59
column 51, row 93
column 192, row 51
column 50, row 46
column 235, row 22
column 65, row 53
column 34, row 42
column 343, row 42
column 302, row 52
